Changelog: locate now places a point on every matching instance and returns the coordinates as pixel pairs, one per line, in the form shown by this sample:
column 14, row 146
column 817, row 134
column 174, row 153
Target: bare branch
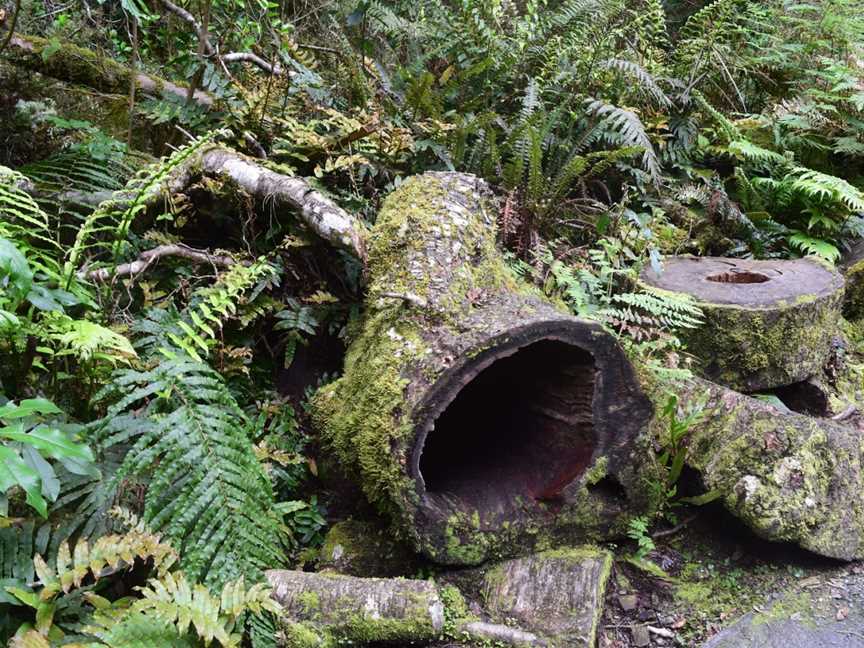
column 148, row 258
column 231, row 57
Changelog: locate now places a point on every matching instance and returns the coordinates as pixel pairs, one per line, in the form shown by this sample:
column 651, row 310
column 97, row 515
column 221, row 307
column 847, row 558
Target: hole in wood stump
column 610, row 488
column 739, row 277
column 521, row 429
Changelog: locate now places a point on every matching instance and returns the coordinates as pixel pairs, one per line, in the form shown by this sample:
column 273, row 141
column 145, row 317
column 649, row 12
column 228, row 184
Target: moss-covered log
column 767, row 323
column 69, row 62
column 789, row 477
column 329, row 610
column 481, row 416
column 853, row 270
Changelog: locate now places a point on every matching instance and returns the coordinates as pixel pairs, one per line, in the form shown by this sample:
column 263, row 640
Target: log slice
column 767, row 323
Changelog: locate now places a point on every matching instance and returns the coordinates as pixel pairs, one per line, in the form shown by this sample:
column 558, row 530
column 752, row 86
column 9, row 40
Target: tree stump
column 483, row 418
column 767, row 323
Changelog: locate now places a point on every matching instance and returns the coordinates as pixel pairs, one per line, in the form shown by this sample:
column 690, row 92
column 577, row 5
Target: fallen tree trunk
column 789, row 477
column 482, row 417
column 331, row 609
column 82, row 66
column 852, row 266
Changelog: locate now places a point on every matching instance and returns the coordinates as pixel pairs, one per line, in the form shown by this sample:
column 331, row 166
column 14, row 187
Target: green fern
column 626, row 129
column 106, row 229
column 211, row 306
column 208, row 492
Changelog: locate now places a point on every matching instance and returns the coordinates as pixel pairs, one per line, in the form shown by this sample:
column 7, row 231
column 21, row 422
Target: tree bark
column 852, row 266
column 318, row 607
column 789, row 477
column 482, row 417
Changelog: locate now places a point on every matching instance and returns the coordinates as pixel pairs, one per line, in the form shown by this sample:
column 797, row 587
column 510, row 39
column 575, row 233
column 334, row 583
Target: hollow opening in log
column 521, row 429
column 739, row 277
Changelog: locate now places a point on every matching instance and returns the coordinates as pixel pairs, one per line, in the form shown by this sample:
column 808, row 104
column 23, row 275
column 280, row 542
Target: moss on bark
column 442, row 307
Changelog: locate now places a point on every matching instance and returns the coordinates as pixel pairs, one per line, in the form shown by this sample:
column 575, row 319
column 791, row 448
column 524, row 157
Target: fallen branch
column 254, row 59
column 148, row 258
column 317, row 212
column 320, row 214
column 245, row 57
column 675, row 529
column 85, row 67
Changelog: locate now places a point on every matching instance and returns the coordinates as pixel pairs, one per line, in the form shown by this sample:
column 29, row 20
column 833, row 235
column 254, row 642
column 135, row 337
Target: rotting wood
column 481, row 416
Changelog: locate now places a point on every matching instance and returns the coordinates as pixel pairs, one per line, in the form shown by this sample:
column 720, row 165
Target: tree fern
column 207, row 491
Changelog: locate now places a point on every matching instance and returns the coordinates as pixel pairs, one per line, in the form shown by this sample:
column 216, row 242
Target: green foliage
column 106, row 229
column 638, row 530
column 202, row 320
column 207, row 493
column 170, row 611
column 28, row 438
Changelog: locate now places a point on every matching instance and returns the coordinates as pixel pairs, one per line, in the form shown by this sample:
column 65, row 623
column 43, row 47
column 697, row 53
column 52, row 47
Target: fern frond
column 828, row 187
column 627, row 129
column 172, row 599
column 108, row 226
column 645, row 80
column 208, row 493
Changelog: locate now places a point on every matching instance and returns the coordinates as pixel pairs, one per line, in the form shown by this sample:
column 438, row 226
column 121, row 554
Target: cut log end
column 767, row 323
column 518, row 427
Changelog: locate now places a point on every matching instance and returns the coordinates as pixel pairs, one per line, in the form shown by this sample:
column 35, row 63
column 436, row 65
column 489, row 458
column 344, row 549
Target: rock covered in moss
column 325, row 610
column 789, row 477
column 557, row 594
column 482, row 418
column 767, row 323
column 364, row 548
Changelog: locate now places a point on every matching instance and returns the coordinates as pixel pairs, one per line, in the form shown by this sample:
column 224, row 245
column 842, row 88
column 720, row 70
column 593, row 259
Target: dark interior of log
column 521, row 430
column 739, row 277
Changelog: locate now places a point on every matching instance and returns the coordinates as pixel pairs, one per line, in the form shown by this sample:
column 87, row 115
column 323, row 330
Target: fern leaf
column 627, row 129
column 208, row 493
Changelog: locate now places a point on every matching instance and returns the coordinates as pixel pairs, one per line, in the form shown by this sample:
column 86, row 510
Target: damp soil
column 701, row 579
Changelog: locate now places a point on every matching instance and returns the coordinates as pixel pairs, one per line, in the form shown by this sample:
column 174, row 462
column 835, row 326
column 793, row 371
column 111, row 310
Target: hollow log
column 483, row 418
column 767, row 323
column 788, row 476
column 323, row 610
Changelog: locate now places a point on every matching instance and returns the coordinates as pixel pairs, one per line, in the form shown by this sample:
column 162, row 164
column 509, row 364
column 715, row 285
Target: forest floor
column 705, row 577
